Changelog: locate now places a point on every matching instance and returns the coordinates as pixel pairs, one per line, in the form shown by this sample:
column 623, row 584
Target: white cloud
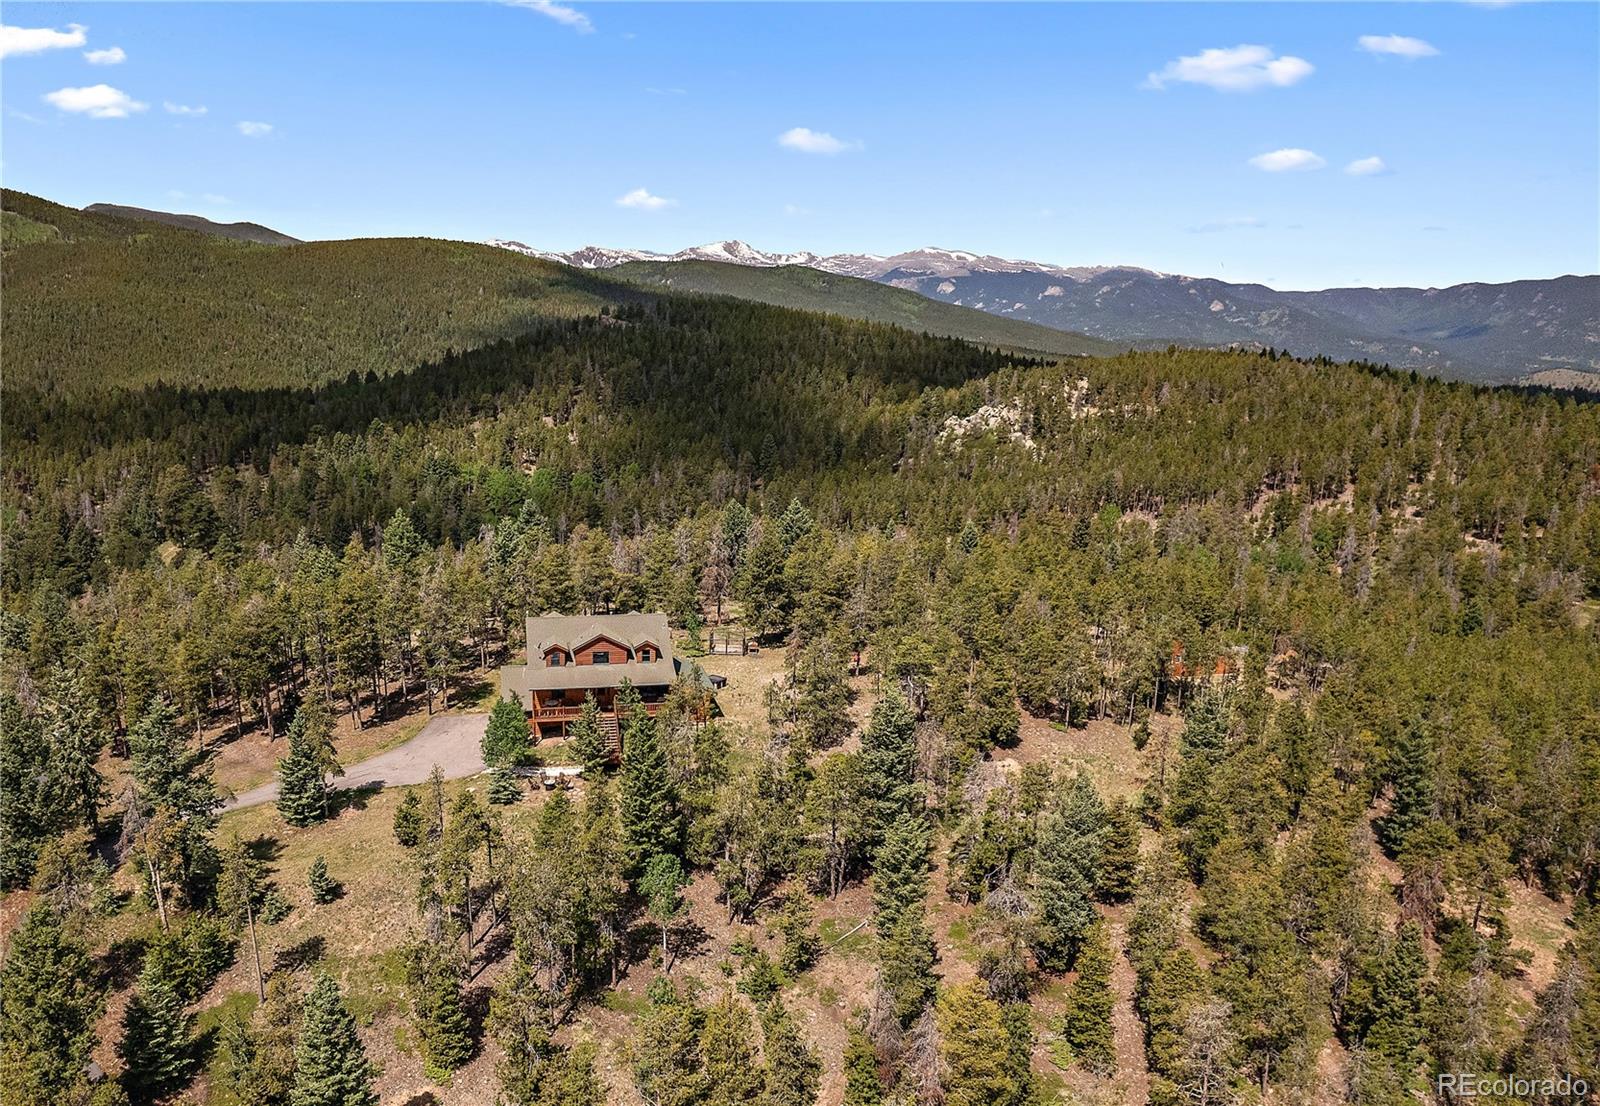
column 808, row 141
column 113, row 55
column 795, row 210
column 1288, row 160
column 98, row 101
column 1367, row 167
column 1234, row 69
column 643, row 199
column 1399, row 46
column 183, row 109
column 251, row 129
column 561, row 13
column 36, row 40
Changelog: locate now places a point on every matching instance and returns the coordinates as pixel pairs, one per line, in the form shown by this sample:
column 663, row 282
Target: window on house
column 646, row 655
column 555, row 660
column 600, row 656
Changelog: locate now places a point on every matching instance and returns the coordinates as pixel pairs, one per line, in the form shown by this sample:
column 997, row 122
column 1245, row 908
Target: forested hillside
column 854, row 298
column 1191, row 727
column 96, row 302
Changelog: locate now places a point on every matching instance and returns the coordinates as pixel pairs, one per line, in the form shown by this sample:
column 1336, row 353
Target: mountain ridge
column 1479, row 331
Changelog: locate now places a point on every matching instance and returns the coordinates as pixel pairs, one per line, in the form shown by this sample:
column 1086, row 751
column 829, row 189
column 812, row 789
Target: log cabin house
column 571, row 656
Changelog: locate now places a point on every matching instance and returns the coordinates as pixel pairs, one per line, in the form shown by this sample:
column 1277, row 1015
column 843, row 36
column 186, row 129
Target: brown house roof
column 573, row 632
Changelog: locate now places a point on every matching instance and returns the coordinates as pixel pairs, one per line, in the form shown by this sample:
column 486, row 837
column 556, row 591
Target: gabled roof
column 573, row 632
column 570, row 633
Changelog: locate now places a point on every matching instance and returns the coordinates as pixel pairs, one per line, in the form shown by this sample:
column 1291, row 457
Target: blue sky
column 1075, row 133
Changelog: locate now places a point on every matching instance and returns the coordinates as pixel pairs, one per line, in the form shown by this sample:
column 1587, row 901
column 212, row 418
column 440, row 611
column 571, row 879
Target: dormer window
column 600, row 656
column 555, row 658
column 646, row 654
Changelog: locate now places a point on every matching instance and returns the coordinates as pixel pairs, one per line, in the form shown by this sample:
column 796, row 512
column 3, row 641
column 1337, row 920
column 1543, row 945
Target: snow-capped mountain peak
column 928, row 261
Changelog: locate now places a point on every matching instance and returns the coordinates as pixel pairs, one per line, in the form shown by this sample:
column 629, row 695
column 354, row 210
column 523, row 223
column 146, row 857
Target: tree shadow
column 688, row 940
column 298, row 957
column 470, row 692
column 120, row 963
column 264, row 849
column 355, row 798
column 426, row 1098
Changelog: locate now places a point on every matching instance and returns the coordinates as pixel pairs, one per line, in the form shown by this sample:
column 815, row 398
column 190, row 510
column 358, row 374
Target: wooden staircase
column 611, row 736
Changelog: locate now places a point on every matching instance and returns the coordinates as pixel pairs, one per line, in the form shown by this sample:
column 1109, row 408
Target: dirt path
column 452, row 741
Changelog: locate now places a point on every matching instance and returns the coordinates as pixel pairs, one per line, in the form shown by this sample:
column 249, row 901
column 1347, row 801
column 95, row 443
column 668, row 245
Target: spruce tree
column 862, row 1085
column 793, row 1070
column 727, row 1039
column 506, row 738
column 1395, row 1024
column 504, row 787
column 155, row 1045
column 889, row 762
column 905, row 964
column 900, row 871
column 438, row 1008
column 1085, row 1025
column 1411, row 772
column 1068, row 857
column 331, row 1065
column 324, row 888
column 48, row 1006
column 409, row 821
column 1119, row 854
column 587, row 743
column 647, row 803
column 302, row 791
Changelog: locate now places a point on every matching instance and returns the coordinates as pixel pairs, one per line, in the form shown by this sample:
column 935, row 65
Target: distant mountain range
column 1545, row 331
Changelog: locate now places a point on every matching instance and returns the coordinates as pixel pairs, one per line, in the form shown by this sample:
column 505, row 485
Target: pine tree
column 1394, row 1025
column 1411, row 772
column 647, row 803
column 409, row 821
column 258, row 1051
column 239, row 893
column 506, row 738
column 572, row 1080
column 1068, row 857
column 26, row 820
column 974, row 1048
column 587, row 743
column 155, row 1040
column 302, row 791
column 794, row 524
column 726, row 1041
column 793, row 1070
column 666, row 1053
column 900, row 871
column 1119, row 854
column 905, row 964
column 862, row 1085
column 800, row 942
column 48, row 1006
column 331, row 1065
column 438, row 1010
column 519, row 1020
column 324, row 888
column 889, row 762
column 1085, row 1025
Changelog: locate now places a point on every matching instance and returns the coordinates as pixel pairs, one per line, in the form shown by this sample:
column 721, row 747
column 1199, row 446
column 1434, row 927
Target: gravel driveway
column 452, row 741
